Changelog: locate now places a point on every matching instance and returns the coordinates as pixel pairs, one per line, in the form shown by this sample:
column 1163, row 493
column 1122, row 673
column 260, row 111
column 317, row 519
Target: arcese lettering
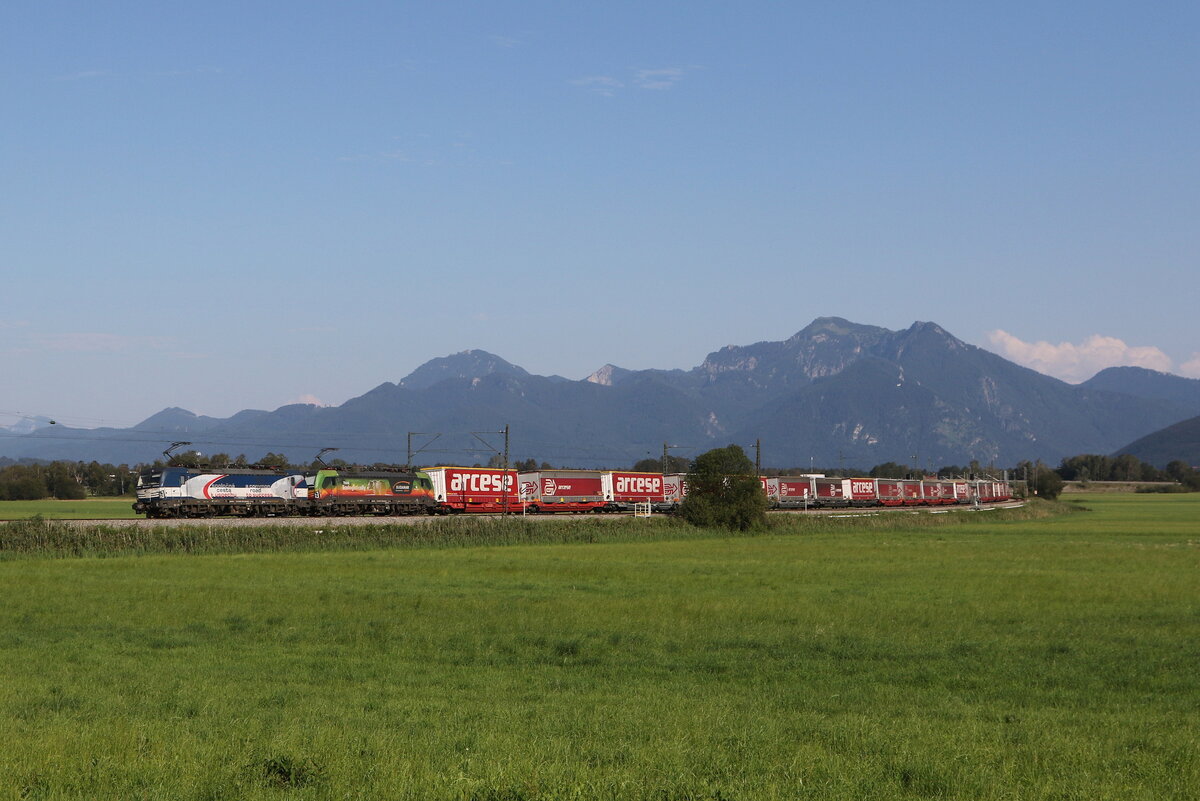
column 480, row 482
column 638, row 485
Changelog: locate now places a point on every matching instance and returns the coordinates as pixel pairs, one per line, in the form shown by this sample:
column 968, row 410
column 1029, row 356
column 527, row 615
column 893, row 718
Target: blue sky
column 240, row 205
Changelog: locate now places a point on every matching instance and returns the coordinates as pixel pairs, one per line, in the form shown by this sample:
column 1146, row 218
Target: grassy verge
column 38, row 538
column 87, row 509
column 983, row 657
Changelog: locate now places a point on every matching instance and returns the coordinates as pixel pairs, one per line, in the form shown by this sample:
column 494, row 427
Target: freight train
column 203, row 492
column 793, row 492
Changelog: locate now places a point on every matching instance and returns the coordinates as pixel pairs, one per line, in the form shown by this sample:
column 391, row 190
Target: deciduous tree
column 724, row 491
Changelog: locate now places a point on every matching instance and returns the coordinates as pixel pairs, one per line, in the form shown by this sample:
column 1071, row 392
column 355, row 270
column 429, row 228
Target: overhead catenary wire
column 360, row 443
column 81, row 422
column 555, row 451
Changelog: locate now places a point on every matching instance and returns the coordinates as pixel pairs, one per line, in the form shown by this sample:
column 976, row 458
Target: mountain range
column 836, row 392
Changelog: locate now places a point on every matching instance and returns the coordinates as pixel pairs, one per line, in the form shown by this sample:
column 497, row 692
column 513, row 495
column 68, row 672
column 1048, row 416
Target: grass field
column 87, row 509
column 986, row 656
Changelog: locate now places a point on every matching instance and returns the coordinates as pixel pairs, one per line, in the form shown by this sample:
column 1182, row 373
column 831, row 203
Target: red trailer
column 770, row 487
column 832, row 491
column 562, row 490
column 1001, row 491
column 674, row 488
column 910, row 491
column 891, row 491
column 622, row 491
column 988, row 491
column 863, row 492
column 475, row 489
column 795, row 491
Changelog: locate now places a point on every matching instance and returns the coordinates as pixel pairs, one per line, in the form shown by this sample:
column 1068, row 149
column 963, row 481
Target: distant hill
column 467, row 364
column 835, row 392
column 180, row 421
column 866, row 395
column 1180, row 441
column 26, row 425
column 1151, row 384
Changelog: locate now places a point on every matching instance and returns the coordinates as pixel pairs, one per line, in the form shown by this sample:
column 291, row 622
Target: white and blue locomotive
column 206, row 492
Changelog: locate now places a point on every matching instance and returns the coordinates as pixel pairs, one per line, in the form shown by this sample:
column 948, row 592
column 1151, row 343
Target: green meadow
column 1045, row 653
column 87, row 509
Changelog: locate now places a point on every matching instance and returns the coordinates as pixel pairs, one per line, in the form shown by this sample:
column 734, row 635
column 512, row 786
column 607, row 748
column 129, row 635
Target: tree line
column 1126, row 467
column 67, row 481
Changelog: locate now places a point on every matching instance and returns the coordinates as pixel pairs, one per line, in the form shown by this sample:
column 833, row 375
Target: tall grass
column 38, row 538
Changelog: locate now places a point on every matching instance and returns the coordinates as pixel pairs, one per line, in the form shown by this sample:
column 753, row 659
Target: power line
column 350, row 441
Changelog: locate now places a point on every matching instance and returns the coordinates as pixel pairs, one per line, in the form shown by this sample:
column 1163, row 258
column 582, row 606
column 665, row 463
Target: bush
column 1047, row 482
column 724, row 492
column 1163, row 489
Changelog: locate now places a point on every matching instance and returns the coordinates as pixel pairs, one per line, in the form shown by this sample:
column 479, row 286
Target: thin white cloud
column 310, row 399
column 398, row 156
column 189, row 71
column 84, row 75
column 658, row 79
column 662, row 78
column 507, row 42
column 1191, row 368
column 600, row 84
column 95, row 342
column 87, row 75
column 1079, row 362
